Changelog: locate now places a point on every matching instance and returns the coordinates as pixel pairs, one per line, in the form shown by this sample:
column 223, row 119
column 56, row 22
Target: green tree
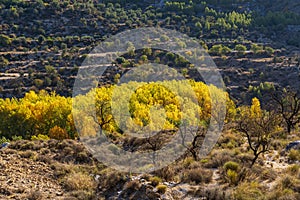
column 4, row 40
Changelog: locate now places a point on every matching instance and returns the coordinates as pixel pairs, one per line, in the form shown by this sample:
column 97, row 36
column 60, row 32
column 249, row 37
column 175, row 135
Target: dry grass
column 197, row 176
column 132, row 185
column 27, row 154
column 35, row 195
column 79, row 181
column 249, row 191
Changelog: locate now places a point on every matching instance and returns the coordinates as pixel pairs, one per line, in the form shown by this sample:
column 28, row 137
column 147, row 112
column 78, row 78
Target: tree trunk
column 254, row 160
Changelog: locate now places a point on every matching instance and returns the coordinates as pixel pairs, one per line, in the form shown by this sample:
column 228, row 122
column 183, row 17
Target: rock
column 293, row 145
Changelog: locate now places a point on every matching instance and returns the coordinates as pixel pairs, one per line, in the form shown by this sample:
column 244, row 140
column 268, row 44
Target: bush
column 161, row 189
column 268, row 174
column 27, row 154
column 155, row 180
column 293, row 170
column 35, row 195
column 79, row 181
column 3, row 61
column 3, row 140
column 294, row 155
column 38, row 82
column 15, row 138
column 215, row 193
column 232, row 177
column 240, row 49
column 132, row 185
column 219, row 157
column 167, row 173
column 83, row 195
column 233, row 166
column 197, row 175
column 58, row 133
column 269, row 50
column 248, row 191
column 40, row 137
column 26, row 145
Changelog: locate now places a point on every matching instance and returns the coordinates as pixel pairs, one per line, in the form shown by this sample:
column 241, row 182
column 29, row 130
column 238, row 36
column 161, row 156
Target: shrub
column 241, row 49
column 248, row 191
column 269, row 50
column 40, row 137
column 286, row 182
column 161, row 189
column 197, row 175
column 233, row 173
column 3, row 140
column 83, row 157
column 188, row 161
column 167, row 173
column 35, row 195
column 26, row 145
column 58, row 133
column 44, row 158
column 83, row 195
column 219, row 157
column 60, row 170
column 3, row 61
column 293, row 170
column 215, row 193
column 294, row 155
column 268, row 174
column 15, row 138
column 44, row 151
column 27, row 154
column 112, row 180
column 79, row 181
column 155, row 180
column 232, row 177
column 287, row 188
column 233, row 166
column 132, row 185
column 38, row 82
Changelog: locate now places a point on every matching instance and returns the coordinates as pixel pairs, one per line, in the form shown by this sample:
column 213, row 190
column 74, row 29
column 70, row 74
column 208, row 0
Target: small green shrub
column 161, row 189
column 233, row 166
column 188, row 161
column 232, row 176
column 294, row 155
column 40, row 137
column 3, row 140
column 155, row 180
column 15, row 138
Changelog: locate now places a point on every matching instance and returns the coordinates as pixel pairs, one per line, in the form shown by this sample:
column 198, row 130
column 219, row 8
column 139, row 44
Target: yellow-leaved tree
column 257, row 126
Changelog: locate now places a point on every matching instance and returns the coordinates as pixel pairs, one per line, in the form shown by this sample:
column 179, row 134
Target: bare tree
column 257, row 129
column 195, row 135
column 288, row 106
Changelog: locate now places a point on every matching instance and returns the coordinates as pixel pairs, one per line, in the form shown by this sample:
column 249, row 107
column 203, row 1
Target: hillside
column 65, row 170
column 147, row 100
